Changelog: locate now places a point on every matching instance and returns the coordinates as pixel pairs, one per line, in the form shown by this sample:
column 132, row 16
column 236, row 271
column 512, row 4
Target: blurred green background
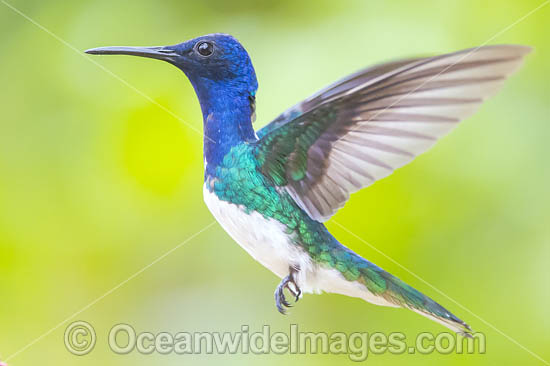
column 97, row 181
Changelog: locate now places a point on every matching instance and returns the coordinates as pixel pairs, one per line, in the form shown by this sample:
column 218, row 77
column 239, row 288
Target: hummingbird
column 273, row 189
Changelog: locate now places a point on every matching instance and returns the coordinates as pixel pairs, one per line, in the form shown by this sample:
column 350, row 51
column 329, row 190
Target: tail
column 396, row 292
column 358, row 277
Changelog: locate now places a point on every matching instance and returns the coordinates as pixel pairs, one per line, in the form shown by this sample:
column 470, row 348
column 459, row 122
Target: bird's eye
column 205, row 49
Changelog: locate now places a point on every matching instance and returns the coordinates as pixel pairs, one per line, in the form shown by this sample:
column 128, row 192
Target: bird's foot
column 290, row 284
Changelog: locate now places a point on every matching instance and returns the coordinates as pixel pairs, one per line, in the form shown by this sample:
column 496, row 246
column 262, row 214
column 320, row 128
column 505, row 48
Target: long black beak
column 159, row 53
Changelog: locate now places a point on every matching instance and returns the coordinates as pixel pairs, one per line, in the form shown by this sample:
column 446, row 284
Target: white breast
column 264, row 239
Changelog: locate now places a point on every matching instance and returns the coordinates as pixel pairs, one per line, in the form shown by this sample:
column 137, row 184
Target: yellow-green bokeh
column 98, row 181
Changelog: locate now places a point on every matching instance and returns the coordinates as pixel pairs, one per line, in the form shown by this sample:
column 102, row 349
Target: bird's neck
column 227, row 122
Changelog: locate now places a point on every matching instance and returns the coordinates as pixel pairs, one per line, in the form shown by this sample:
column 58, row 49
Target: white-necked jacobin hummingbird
column 272, row 189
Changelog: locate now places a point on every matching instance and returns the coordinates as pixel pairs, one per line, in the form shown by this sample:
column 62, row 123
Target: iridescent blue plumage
column 226, row 86
column 272, row 190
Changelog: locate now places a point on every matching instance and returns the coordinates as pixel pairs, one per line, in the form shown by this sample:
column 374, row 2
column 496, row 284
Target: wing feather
column 363, row 127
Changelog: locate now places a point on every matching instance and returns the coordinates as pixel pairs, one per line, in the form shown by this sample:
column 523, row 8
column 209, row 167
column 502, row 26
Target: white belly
column 264, row 239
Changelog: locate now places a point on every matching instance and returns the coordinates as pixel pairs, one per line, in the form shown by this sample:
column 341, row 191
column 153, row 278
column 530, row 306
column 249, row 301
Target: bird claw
column 297, row 296
column 280, row 300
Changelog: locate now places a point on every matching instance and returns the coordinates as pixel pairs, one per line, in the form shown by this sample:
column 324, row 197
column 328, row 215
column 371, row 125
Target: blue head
column 216, row 63
column 223, row 77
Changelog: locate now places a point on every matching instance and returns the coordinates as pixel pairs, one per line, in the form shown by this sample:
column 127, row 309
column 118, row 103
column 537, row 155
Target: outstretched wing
column 360, row 129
